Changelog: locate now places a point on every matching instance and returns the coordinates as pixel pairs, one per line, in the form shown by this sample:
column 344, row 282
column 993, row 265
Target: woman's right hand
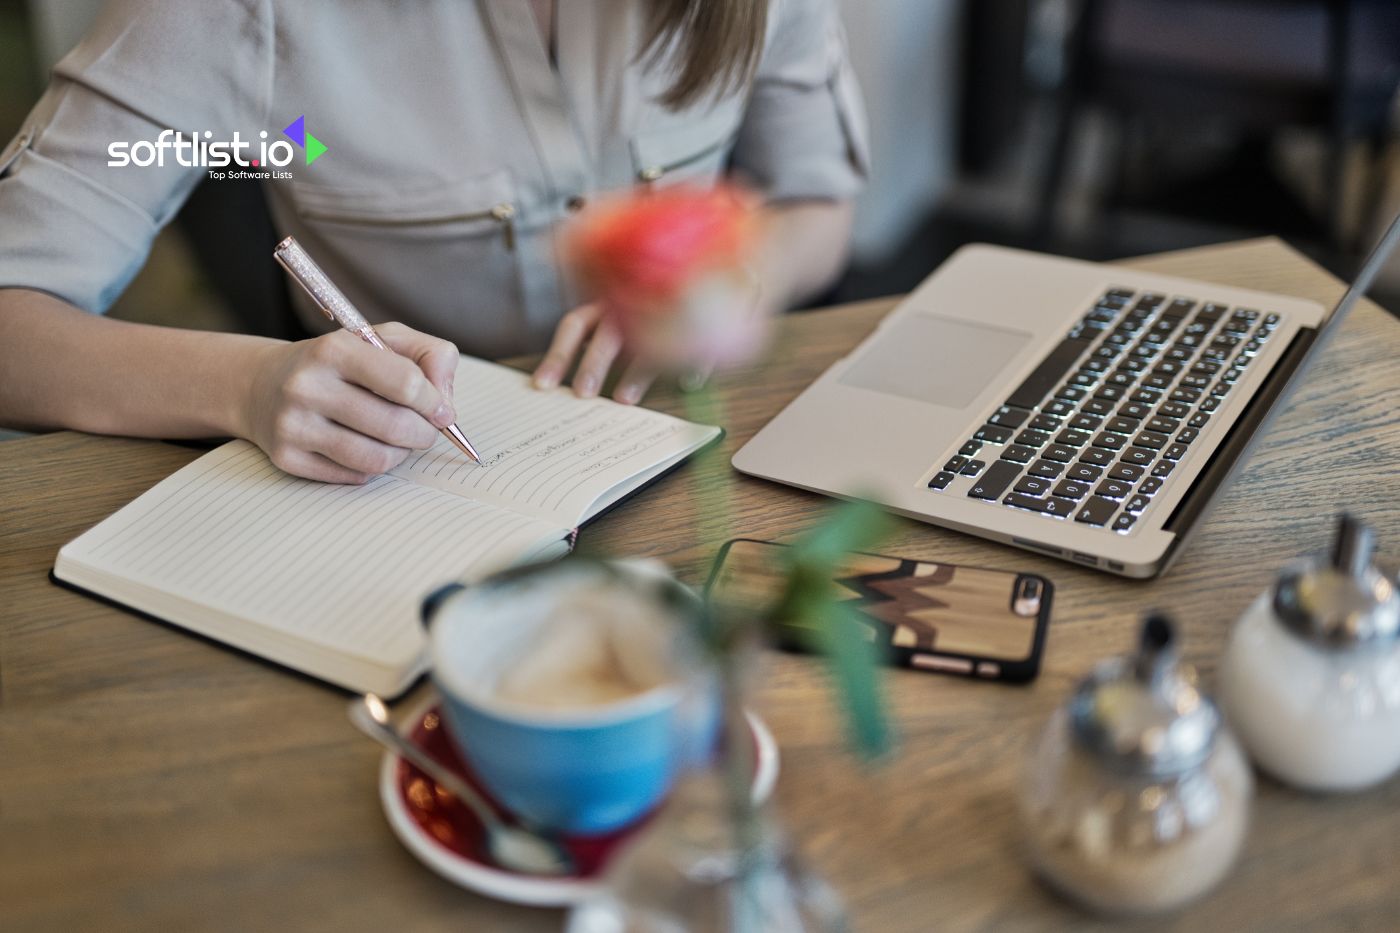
column 338, row 410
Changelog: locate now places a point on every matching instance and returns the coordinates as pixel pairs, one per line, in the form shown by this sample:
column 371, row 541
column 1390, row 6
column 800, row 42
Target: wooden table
column 153, row 780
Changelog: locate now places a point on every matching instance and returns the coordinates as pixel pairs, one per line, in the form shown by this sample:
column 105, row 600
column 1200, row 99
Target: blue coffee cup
column 581, row 770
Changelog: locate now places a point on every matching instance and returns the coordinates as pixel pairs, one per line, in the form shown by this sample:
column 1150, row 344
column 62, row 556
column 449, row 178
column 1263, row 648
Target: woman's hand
column 338, row 410
column 588, row 325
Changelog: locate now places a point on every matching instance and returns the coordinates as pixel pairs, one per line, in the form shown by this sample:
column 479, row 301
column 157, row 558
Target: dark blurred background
column 1090, row 128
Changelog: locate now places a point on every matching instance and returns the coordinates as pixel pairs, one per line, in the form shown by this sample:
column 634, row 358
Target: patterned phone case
column 988, row 624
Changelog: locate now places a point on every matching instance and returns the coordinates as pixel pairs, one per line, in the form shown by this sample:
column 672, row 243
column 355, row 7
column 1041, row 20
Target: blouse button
column 575, row 204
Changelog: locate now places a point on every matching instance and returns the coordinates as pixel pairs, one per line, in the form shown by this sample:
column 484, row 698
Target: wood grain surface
column 153, row 780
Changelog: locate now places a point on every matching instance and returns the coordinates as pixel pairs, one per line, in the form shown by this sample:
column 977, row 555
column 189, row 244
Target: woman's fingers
column 437, row 358
column 569, row 337
column 315, row 466
column 372, row 416
column 597, row 359
column 351, row 449
column 390, row 376
column 635, row 381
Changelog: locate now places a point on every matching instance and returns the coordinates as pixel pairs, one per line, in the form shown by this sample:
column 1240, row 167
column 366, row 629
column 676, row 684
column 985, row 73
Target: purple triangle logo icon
column 297, row 131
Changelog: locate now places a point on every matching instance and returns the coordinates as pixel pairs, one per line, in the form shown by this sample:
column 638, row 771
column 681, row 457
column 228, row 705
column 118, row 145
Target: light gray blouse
column 453, row 146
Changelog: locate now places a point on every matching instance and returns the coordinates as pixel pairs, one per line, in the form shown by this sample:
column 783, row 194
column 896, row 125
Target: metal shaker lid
column 1343, row 602
column 1143, row 715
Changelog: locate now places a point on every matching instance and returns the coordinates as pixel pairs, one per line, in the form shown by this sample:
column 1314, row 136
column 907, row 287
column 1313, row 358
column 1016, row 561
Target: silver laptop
column 1079, row 410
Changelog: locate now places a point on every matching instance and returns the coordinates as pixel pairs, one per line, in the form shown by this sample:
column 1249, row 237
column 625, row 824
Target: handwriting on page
column 547, row 454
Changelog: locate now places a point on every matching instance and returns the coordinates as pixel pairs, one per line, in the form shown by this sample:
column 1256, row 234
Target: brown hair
column 718, row 43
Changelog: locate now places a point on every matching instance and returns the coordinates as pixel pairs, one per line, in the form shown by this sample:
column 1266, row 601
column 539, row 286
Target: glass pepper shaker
column 1311, row 678
column 1137, row 797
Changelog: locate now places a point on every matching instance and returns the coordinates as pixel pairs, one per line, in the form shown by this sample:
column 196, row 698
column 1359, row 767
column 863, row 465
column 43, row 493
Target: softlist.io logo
column 204, row 151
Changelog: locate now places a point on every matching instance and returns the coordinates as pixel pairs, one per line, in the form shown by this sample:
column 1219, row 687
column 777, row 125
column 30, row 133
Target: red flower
column 670, row 269
column 641, row 252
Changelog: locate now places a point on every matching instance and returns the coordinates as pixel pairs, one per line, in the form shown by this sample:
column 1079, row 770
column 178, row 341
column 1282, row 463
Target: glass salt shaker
column 1311, row 678
column 1137, row 796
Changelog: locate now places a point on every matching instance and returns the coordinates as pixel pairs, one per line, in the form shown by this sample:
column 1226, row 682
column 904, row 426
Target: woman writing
column 461, row 135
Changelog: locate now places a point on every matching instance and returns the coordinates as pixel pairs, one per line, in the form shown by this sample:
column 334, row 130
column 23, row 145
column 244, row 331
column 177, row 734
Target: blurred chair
column 1256, row 65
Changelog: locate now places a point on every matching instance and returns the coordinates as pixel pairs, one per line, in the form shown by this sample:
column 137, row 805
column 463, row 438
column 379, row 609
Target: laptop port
column 1089, row 559
column 1047, row 548
column 1114, row 565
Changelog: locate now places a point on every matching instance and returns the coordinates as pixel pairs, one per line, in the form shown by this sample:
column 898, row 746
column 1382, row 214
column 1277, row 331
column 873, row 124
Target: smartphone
column 967, row 621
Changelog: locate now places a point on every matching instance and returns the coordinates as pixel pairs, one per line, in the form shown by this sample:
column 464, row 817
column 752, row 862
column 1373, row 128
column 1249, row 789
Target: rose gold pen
column 337, row 307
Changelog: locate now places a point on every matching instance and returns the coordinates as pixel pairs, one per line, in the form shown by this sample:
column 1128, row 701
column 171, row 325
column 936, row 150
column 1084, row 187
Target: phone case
column 969, row 621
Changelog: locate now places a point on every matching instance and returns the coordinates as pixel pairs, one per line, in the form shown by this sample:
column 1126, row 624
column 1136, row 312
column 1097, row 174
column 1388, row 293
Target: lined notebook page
column 547, row 454
column 342, row 567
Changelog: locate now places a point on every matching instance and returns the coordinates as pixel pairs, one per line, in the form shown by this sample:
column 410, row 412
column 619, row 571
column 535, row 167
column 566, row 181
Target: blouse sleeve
column 71, row 224
column 804, row 133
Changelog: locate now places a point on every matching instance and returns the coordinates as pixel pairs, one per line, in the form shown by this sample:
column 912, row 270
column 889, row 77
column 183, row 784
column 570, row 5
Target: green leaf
column 810, row 610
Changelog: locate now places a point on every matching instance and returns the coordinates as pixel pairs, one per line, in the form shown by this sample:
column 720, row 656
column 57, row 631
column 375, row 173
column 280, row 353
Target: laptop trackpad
column 935, row 359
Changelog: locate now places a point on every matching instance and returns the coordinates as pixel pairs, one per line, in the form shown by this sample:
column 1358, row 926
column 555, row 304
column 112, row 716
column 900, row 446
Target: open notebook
column 328, row 579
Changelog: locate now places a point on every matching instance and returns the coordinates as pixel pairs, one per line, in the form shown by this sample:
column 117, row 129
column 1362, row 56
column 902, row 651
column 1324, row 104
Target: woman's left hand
column 586, row 334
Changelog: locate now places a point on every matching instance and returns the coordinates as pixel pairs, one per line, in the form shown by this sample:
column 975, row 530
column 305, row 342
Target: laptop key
column 1137, row 503
column 1072, row 438
column 1046, row 469
column 1069, row 489
column 1052, row 369
column 1123, row 522
column 1097, row 456
column 1113, row 489
column 1185, row 394
column 1073, row 393
column 1187, row 435
column 1163, row 425
column 1033, row 438
column 1163, row 468
column 1097, row 511
column 1022, row 501
column 1008, row 417
column 1158, row 382
column 993, row 434
column 1150, row 486
column 1151, row 440
column 1033, row 486
column 940, row 480
column 1139, row 456
column 970, row 448
column 1084, row 472
column 1208, row 405
column 1146, row 396
column 1057, row 407
column 1058, row 453
column 1017, row 453
column 1174, row 409
column 1086, row 422
column 973, row 467
column 1110, row 441
column 1127, row 472
column 955, row 464
column 1122, row 425
column 1044, row 423
column 992, row 483
column 1198, row 420
column 1058, row 507
column 1098, row 406
column 1134, row 410
column 1175, row 452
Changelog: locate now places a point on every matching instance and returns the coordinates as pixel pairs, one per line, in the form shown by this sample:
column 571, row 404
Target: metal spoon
column 510, row 846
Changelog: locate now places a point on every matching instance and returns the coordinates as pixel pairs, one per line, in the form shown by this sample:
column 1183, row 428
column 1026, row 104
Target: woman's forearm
column 806, row 244
column 61, row 367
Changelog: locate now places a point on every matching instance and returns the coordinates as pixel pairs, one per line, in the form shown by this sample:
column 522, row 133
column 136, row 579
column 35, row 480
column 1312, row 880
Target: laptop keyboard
column 1096, row 430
